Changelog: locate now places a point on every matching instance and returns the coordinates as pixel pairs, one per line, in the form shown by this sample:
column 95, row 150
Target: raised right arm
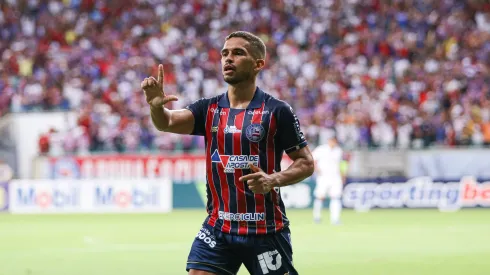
column 173, row 121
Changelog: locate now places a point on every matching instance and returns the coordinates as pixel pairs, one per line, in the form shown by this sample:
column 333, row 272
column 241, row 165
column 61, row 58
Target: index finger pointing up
column 160, row 74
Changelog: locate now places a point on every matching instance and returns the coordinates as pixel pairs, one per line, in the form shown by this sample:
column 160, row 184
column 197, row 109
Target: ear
column 259, row 65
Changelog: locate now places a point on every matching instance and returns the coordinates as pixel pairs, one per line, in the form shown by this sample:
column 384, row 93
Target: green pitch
column 391, row 242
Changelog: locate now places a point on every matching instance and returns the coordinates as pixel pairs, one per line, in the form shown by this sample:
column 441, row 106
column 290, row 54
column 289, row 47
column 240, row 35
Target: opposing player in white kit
column 329, row 179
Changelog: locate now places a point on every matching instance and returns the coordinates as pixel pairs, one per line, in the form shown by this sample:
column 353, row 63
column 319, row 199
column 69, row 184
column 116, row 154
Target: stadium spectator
column 385, row 74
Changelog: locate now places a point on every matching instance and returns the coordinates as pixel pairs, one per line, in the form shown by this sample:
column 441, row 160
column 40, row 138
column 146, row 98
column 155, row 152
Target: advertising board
column 152, row 196
column 420, row 192
column 187, row 174
column 194, row 195
column 90, row 196
column 181, row 168
column 365, row 194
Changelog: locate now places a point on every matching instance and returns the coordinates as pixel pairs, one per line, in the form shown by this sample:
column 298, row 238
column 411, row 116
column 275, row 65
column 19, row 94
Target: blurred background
column 404, row 84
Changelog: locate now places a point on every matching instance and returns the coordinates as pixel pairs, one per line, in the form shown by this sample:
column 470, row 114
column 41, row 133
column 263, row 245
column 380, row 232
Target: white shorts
column 328, row 186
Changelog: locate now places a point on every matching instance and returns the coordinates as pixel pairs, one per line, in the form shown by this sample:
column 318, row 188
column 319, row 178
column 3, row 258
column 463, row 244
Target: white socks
column 317, row 209
column 335, row 209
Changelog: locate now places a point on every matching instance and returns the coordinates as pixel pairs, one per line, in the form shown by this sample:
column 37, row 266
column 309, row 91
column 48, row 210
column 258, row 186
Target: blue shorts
column 221, row 253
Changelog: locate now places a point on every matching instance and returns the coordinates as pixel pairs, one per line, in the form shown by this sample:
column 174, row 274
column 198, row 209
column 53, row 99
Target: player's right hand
column 153, row 88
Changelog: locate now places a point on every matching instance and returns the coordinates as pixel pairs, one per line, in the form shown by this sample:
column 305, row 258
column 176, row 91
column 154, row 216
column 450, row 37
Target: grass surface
column 405, row 242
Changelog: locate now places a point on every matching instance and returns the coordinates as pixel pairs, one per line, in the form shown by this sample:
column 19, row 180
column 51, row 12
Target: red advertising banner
column 178, row 168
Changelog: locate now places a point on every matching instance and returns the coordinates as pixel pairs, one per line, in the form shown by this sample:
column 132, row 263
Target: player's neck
column 241, row 94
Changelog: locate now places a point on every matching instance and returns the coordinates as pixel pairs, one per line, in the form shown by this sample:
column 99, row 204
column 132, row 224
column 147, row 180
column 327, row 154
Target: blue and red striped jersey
column 260, row 134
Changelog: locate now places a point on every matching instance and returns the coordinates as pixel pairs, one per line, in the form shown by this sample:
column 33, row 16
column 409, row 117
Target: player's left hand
column 259, row 182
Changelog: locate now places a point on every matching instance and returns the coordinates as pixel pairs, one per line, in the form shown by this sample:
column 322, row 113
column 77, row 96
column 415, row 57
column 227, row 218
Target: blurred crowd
column 384, row 74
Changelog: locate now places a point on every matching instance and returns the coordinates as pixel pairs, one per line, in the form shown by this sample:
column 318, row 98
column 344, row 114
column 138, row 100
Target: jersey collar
column 256, row 102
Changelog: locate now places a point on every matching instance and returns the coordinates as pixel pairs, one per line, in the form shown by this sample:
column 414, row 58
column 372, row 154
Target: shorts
column 221, row 253
column 328, row 186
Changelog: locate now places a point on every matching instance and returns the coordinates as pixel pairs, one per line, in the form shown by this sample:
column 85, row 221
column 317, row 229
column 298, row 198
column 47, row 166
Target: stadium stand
column 384, row 74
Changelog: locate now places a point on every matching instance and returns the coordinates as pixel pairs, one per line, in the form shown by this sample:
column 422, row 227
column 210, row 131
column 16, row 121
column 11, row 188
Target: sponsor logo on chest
column 232, row 129
column 258, row 112
column 232, row 162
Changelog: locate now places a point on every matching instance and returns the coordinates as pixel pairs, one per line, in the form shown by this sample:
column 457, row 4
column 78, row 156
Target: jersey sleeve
column 199, row 109
column 289, row 132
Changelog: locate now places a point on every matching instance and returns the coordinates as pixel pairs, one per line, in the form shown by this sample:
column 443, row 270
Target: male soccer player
column 329, row 179
column 246, row 132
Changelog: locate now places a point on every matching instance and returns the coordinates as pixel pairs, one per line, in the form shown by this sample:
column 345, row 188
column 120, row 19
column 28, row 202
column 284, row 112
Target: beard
column 237, row 78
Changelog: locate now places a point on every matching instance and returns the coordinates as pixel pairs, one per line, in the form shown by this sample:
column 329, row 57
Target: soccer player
column 329, row 179
column 246, row 132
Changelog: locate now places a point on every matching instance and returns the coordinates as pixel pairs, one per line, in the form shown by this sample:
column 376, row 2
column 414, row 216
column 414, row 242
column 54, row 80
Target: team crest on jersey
column 232, row 162
column 255, row 132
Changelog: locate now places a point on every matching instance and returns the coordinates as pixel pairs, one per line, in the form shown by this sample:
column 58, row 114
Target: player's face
column 237, row 64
